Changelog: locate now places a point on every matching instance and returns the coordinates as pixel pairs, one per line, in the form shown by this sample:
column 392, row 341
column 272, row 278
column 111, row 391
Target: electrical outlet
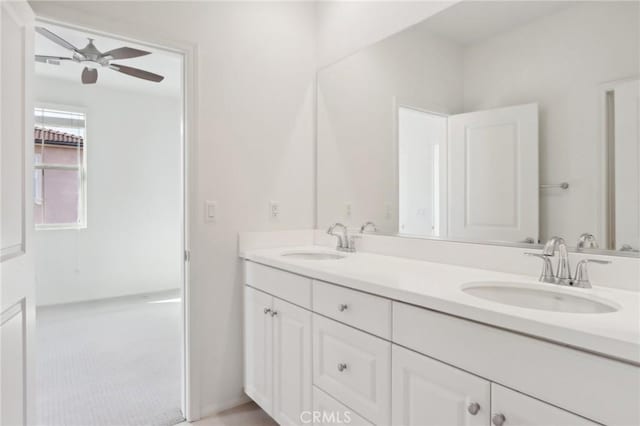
column 388, row 211
column 274, row 209
column 210, row 211
column 348, row 210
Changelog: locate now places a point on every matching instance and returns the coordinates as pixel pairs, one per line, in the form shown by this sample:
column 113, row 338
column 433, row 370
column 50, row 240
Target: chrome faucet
column 587, row 241
column 344, row 242
column 563, row 272
column 582, row 277
column 368, row 225
column 546, row 276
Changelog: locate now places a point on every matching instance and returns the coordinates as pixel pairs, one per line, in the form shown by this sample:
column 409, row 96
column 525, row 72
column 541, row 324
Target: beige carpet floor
column 114, row 362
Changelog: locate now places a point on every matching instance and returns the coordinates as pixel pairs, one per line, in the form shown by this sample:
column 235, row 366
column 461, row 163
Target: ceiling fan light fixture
column 91, row 54
column 89, row 75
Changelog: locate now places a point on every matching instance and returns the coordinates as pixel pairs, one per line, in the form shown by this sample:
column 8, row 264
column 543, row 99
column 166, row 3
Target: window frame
column 81, row 168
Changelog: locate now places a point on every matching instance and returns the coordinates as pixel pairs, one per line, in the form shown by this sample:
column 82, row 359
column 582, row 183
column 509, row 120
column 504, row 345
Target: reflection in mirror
column 505, row 122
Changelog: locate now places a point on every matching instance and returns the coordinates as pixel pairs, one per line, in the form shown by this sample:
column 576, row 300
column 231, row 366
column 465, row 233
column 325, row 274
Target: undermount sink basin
column 528, row 296
column 313, row 255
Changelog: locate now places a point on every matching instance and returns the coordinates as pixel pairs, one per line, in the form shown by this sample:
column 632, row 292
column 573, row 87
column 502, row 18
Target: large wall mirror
column 494, row 122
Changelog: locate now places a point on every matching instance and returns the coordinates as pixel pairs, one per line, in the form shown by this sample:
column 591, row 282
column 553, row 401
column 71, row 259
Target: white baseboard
column 214, row 409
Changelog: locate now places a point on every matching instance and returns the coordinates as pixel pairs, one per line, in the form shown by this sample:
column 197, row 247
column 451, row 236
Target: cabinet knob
column 342, row 367
column 274, row 313
column 498, row 419
column 473, row 408
column 342, row 307
column 266, row 310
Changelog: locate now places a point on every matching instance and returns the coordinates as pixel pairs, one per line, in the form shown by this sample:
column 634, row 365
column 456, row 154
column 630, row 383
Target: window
column 59, row 192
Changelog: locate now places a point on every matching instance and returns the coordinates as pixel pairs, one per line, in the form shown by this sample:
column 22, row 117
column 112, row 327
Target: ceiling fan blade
column 56, row 39
column 124, row 53
column 45, row 59
column 135, row 72
column 89, row 75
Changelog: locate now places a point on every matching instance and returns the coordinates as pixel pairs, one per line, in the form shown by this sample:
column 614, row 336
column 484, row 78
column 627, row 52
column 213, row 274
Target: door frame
column 191, row 366
column 605, row 189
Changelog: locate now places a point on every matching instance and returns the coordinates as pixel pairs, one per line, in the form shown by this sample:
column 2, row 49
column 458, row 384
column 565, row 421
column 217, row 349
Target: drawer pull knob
column 498, row 419
column 473, row 408
column 274, row 313
column 266, row 311
column 342, row 367
column 342, row 307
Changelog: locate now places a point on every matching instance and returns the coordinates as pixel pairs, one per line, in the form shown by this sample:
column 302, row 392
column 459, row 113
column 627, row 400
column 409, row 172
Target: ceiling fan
column 92, row 55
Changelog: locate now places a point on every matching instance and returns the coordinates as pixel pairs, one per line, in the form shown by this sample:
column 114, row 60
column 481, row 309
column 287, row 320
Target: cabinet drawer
column 559, row 375
column 287, row 286
column 361, row 310
column 353, row 367
column 329, row 411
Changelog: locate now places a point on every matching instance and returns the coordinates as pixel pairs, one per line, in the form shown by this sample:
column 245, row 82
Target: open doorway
column 108, row 205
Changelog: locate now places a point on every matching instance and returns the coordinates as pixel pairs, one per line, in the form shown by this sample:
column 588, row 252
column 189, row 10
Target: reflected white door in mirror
column 471, row 176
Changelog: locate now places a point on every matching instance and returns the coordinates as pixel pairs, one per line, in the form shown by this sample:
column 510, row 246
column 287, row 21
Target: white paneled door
column 258, row 348
column 291, row 363
column 428, row 392
column 16, row 220
column 493, row 174
column 513, row 408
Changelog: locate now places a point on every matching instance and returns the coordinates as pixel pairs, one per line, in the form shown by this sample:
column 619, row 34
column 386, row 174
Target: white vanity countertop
column 437, row 286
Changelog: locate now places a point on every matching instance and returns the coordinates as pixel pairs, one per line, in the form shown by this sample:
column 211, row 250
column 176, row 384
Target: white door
column 17, row 308
column 428, row 392
column 626, row 98
column 493, row 174
column 258, row 347
column 291, row 362
column 513, row 408
column 422, row 172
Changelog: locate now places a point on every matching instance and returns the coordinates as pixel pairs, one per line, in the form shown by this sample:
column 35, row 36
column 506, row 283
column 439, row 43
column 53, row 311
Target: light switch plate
column 210, row 211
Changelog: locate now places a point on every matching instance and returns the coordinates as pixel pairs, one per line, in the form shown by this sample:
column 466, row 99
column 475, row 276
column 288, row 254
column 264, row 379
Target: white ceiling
column 160, row 62
column 471, row 21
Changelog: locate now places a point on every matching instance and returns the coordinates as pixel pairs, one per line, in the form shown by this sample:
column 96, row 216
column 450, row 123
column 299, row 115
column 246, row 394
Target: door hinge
column 187, row 255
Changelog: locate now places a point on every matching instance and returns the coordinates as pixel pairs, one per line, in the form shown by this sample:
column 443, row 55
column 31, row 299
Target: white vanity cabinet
column 277, row 356
column 312, row 345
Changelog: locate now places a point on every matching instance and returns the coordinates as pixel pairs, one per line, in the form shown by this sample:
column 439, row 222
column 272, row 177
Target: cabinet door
column 291, row 362
column 513, row 408
column 258, row 347
column 428, row 392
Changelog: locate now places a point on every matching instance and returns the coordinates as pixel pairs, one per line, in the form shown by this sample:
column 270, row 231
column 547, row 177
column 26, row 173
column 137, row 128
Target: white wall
column 132, row 243
column 256, row 67
column 560, row 61
column 344, row 27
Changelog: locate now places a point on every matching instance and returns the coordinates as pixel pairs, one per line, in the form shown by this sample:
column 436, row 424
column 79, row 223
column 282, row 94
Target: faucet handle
column 546, row 276
column 368, row 225
column 582, row 275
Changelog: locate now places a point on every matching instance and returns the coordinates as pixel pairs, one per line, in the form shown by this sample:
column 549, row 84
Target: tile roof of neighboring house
column 43, row 135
